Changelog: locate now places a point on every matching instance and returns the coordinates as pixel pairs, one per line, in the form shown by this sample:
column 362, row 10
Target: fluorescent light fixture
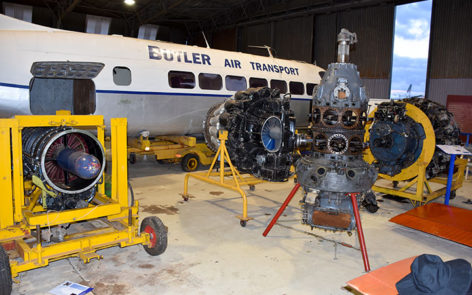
column 129, row 2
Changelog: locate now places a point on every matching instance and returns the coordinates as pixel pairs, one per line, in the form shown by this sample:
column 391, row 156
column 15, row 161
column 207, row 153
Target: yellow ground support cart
column 53, row 200
column 171, row 149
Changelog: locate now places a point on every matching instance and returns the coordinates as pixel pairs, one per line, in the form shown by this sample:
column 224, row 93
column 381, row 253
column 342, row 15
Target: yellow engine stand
column 20, row 214
column 411, row 181
column 228, row 177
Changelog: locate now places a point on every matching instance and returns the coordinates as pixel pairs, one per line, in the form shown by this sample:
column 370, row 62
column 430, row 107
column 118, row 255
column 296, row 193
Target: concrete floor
column 210, row 253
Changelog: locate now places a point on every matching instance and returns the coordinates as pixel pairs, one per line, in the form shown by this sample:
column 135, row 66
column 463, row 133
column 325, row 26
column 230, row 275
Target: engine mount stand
column 226, row 177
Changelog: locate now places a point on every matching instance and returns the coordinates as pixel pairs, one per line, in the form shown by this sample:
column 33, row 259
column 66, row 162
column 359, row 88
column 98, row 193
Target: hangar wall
column 312, row 38
column 450, row 58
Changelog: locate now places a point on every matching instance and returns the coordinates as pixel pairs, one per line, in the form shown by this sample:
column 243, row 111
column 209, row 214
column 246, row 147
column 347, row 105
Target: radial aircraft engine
column 262, row 141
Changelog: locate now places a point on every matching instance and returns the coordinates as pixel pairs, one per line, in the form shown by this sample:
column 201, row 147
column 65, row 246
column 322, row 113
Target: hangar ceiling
column 196, row 15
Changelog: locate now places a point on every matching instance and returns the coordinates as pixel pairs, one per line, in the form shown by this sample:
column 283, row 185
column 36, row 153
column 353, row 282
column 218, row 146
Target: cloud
column 412, row 48
column 419, row 28
column 408, row 71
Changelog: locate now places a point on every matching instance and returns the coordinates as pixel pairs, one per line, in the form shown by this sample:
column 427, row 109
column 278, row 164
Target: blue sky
column 411, row 43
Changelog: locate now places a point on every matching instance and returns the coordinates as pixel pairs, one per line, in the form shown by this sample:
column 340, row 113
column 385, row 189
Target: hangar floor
column 210, row 253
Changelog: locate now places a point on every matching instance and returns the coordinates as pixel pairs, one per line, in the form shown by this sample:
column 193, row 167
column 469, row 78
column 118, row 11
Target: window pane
column 235, row 83
column 279, row 84
column 296, row 88
column 210, row 81
column 309, row 88
column 257, row 82
column 121, row 76
column 181, row 79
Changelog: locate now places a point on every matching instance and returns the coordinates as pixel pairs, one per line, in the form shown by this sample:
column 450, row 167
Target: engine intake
column 69, row 161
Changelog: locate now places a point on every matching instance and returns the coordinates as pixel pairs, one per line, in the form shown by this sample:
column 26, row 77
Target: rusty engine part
column 336, row 166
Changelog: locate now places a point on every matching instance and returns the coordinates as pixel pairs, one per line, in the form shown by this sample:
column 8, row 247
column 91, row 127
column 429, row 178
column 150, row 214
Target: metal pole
column 360, row 232
column 281, row 209
column 449, row 179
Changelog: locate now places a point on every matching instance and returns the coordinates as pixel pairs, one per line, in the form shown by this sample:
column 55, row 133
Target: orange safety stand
column 355, row 209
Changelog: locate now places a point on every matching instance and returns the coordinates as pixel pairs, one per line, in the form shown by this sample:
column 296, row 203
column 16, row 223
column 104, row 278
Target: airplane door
column 63, row 86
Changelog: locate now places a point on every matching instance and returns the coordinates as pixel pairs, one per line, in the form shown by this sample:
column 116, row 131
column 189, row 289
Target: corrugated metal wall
column 256, row 35
column 450, row 56
column 372, row 54
column 313, row 38
column 293, row 38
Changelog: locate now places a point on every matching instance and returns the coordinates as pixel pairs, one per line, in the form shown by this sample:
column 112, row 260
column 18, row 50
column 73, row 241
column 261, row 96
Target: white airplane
column 161, row 87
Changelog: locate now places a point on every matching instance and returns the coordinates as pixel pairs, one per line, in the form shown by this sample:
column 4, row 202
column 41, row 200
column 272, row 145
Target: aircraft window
column 235, row 83
column 257, row 82
column 179, row 79
column 309, row 88
column 210, row 81
column 122, row 76
column 296, row 88
column 279, row 84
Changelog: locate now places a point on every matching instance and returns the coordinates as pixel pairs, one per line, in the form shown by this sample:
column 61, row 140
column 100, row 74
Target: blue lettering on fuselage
column 256, row 66
column 204, row 59
column 179, row 56
column 232, row 63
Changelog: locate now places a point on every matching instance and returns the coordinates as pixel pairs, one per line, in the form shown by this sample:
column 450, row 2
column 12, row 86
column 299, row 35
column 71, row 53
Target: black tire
column 158, row 232
column 243, row 223
column 190, row 162
column 372, row 208
column 5, row 273
column 252, row 188
column 452, row 196
column 132, row 158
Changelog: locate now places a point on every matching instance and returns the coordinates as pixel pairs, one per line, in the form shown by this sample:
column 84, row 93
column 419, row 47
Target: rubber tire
column 372, row 208
column 5, row 273
column 132, row 158
column 453, row 195
column 190, row 159
column 161, row 232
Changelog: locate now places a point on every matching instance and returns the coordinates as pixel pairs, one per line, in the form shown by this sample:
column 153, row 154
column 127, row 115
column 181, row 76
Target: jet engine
column 261, row 132
column 68, row 163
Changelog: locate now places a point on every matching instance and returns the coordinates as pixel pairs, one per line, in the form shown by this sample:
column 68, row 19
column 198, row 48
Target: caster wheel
column 252, row 188
column 185, row 199
column 190, row 163
column 243, row 223
column 372, row 208
column 5, row 273
column 132, row 158
column 158, row 235
column 453, row 195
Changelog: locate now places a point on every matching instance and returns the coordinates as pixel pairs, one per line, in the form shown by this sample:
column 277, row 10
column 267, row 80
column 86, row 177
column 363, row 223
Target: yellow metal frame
column 228, row 177
column 20, row 213
column 171, row 148
column 413, row 182
column 420, row 191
